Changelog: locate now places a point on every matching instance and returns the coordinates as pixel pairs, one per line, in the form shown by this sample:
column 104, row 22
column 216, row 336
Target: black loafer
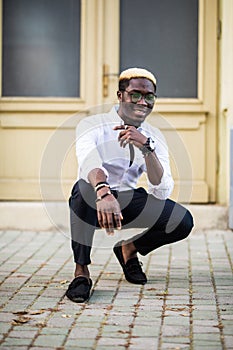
column 79, row 289
column 132, row 269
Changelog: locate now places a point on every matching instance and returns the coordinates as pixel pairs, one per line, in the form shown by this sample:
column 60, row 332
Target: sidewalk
column 186, row 304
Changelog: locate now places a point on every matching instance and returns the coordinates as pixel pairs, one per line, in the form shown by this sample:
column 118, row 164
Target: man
column 113, row 151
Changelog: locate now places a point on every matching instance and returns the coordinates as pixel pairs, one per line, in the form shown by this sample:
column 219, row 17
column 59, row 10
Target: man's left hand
column 130, row 134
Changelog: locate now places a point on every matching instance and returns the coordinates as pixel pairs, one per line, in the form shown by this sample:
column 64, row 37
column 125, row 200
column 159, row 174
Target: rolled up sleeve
column 164, row 189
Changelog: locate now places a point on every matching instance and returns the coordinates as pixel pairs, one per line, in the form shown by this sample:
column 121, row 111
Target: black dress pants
column 164, row 221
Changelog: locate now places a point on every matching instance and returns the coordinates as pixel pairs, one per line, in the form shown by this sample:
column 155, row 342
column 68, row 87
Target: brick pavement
column 186, row 304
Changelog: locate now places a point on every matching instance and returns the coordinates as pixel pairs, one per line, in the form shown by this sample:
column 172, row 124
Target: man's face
column 132, row 112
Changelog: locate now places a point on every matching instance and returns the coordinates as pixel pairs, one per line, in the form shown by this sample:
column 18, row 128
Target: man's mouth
column 141, row 109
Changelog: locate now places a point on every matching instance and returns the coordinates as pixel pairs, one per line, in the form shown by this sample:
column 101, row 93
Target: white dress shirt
column 97, row 146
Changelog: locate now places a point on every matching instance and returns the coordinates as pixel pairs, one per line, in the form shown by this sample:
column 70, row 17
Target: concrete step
column 48, row 216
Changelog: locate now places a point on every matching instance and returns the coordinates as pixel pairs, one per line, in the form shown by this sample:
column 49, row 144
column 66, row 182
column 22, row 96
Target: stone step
column 55, row 215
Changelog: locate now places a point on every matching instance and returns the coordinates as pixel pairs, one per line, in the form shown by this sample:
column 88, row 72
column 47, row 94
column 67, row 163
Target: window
column 41, row 48
column 162, row 36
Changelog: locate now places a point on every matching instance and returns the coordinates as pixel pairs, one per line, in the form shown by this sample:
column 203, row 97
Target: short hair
column 134, row 73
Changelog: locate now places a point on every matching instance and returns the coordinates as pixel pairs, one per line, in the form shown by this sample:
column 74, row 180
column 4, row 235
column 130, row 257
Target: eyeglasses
column 136, row 96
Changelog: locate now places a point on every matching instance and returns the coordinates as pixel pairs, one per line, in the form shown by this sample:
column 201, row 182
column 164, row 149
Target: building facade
column 60, row 61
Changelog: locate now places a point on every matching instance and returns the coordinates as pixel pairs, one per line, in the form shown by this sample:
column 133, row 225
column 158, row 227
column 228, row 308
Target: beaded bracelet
column 101, row 197
column 99, row 185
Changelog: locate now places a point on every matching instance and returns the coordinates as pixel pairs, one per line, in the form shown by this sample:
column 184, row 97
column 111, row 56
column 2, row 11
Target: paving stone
column 12, row 347
column 195, row 272
column 83, row 332
column 22, row 333
column 9, row 342
column 50, row 331
column 80, row 343
column 177, row 320
column 143, row 343
column 48, row 340
column 110, row 341
column 146, row 331
column 229, row 341
column 175, row 331
column 4, row 328
column 207, row 345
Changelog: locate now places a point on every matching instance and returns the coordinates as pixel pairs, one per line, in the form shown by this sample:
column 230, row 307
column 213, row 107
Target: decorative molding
column 41, row 121
column 181, row 121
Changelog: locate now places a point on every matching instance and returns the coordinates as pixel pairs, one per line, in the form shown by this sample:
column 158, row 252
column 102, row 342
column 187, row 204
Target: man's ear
column 119, row 95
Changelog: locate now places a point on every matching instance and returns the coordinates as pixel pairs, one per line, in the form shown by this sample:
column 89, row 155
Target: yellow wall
column 36, row 131
column 225, row 98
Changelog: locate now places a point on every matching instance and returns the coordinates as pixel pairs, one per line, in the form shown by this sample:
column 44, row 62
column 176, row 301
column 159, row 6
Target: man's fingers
column 99, row 217
column 106, row 222
column 102, row 219
column 120, row 127
column 122, row 136
column 109, row 224
column 123, row 142
column 118, row 217
column 124, row 139
column 109, row 221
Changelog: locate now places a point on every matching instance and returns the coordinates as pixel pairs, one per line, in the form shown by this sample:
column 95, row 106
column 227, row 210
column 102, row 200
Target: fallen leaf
column 185, row 315
column 40, row 324
column 36, row 312
column 64, row 282
column 23, row 312
column 66, row 316
column 18, row 276
column 123, row 332
column 21, row 320
column 137, row 305
column 220, row 326
column 176, row 308
column 163, row 293
column 109, row 307
column 53, row 309
column 33, row 285
column 149, row 289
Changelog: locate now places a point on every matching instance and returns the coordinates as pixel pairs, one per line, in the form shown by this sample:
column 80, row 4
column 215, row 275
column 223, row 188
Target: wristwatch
column 148, row 147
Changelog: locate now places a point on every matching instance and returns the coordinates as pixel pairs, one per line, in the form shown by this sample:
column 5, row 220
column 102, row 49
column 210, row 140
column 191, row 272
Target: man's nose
column 142, row 101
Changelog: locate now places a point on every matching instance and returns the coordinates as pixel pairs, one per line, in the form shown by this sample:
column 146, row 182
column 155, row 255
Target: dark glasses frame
column 136, row 96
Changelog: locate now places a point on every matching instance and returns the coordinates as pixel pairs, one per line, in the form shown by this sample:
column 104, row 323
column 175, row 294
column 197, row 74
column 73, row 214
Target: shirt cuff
column 164, row 189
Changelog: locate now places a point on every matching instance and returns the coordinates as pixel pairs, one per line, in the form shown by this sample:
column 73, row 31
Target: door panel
column 186, row 116
column 177, row 41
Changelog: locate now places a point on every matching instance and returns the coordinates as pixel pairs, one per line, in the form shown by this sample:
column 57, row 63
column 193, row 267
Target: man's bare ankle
column 129, row 251
column 81, row 270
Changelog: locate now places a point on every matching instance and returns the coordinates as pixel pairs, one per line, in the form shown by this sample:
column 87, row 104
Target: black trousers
column 164, row 221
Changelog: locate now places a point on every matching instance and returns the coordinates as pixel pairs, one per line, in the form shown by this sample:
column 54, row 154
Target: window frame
column 55, row 104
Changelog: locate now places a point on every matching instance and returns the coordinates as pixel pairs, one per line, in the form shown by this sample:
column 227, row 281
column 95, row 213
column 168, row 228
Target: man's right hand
column 109, row 214
column 108, row 209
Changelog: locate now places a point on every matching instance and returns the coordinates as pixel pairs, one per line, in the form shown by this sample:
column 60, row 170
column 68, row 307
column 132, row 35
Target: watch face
column 151, row 144
column 148, row 147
